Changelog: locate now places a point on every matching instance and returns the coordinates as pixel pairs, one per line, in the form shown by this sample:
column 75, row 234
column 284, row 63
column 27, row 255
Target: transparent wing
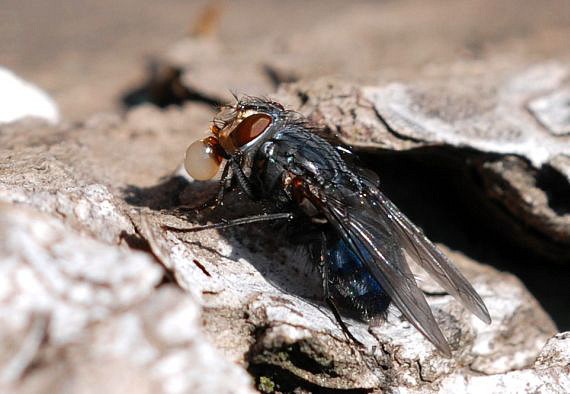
column 362, row 227
column 370, row 221
column 430, row 258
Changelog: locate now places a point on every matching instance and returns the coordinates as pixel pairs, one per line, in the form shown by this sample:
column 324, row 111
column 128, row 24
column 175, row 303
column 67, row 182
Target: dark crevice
column 506, row 202
column 556, row 187
column 302, row 360
column 440, row 189
column 271, row 377
column 274, row 379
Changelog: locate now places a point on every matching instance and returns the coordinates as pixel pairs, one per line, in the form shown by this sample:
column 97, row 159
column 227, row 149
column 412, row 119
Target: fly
column 358, row 239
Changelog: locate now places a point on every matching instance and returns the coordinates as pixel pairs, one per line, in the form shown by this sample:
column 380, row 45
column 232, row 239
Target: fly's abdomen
column 351, row 284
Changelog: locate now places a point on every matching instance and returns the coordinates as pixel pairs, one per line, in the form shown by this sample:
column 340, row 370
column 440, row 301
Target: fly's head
column 235, row 131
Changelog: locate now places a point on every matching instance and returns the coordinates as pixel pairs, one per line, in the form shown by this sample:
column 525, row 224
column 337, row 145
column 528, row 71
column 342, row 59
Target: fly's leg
column 330, row 302
column 244, row 184
column 327, row 295
column 243, row 181
column 218, row 199
column 234, row 222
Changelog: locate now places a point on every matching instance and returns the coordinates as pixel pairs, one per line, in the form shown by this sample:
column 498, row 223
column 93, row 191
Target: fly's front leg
column 214, row 202
column 243, row 181
column 225, row 183
column 326, row 290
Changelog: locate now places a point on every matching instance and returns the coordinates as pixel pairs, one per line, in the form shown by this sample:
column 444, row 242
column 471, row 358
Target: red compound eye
column 249, row 129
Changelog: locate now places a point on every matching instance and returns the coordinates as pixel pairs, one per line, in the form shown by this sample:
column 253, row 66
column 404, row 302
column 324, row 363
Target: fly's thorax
column 305, row 154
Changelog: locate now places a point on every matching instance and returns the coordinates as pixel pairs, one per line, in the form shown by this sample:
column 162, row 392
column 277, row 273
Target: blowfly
column 358, row 239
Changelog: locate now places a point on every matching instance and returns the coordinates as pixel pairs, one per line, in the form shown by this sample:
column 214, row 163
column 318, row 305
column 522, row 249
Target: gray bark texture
column 97, row 295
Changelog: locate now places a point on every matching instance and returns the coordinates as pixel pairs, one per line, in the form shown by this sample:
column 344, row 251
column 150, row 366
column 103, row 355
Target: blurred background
column 87, row 54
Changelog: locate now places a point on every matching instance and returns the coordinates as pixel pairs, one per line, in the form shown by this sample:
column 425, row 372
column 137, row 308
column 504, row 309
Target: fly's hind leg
column 268, row 217
column 327, row 294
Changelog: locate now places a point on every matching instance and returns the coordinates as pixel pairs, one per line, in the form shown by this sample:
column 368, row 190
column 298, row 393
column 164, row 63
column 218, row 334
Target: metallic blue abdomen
column 353, row 283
